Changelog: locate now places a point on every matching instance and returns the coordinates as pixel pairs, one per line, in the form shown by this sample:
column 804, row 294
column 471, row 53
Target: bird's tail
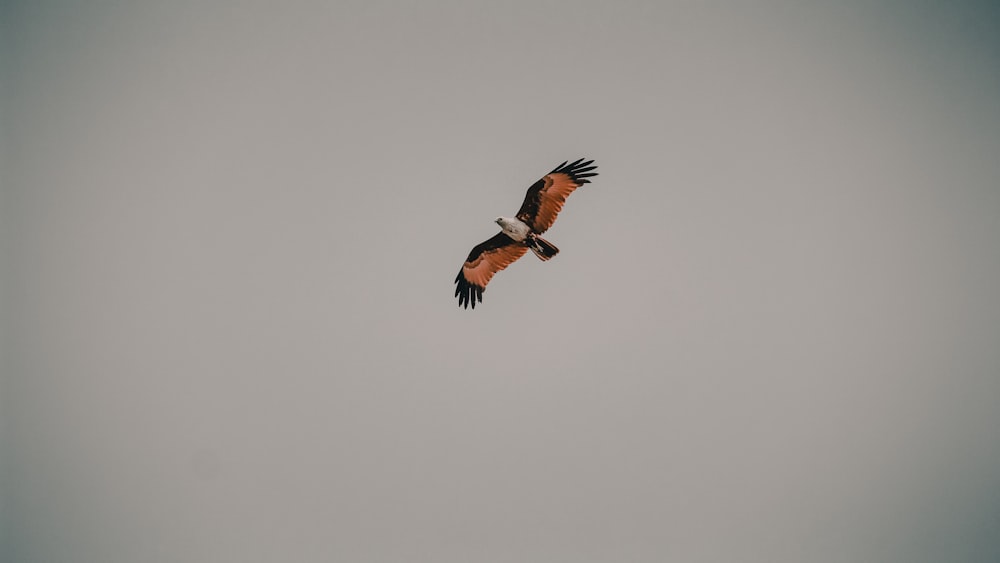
column 542, row 248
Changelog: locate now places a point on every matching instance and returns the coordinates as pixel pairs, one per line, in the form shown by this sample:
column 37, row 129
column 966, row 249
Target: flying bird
column 542, row 203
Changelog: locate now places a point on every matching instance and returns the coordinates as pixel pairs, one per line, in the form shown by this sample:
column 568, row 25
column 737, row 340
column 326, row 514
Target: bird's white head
column 513, row 227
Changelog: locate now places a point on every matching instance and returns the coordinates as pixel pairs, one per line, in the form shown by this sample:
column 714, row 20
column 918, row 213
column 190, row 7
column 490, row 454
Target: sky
column 229, row 232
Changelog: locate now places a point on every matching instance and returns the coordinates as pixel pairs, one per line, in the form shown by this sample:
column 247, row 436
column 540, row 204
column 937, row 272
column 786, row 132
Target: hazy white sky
column 230, row 230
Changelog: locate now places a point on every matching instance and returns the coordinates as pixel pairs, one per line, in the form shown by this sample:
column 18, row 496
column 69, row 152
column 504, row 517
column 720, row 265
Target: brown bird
column 542, row 203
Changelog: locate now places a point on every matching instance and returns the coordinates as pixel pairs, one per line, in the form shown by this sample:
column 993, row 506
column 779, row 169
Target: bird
column 542, row 203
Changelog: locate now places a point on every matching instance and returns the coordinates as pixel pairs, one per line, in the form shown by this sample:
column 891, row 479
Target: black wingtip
column 579, row 170
column 467, row 293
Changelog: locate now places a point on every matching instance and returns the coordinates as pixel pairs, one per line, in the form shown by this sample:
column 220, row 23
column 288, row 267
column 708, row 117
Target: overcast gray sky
column 230, row 230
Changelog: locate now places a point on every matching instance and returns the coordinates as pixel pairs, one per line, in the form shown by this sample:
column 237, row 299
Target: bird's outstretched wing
column 485, row 260
column 546, row 197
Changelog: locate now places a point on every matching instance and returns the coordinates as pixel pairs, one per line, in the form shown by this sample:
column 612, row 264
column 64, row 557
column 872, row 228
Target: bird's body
column 514, row 228
column 542, row 204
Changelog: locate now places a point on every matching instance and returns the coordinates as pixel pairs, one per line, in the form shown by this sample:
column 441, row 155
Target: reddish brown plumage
column 546, row 197
column 481, row 269
column 542, row 204
column 485, row 260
